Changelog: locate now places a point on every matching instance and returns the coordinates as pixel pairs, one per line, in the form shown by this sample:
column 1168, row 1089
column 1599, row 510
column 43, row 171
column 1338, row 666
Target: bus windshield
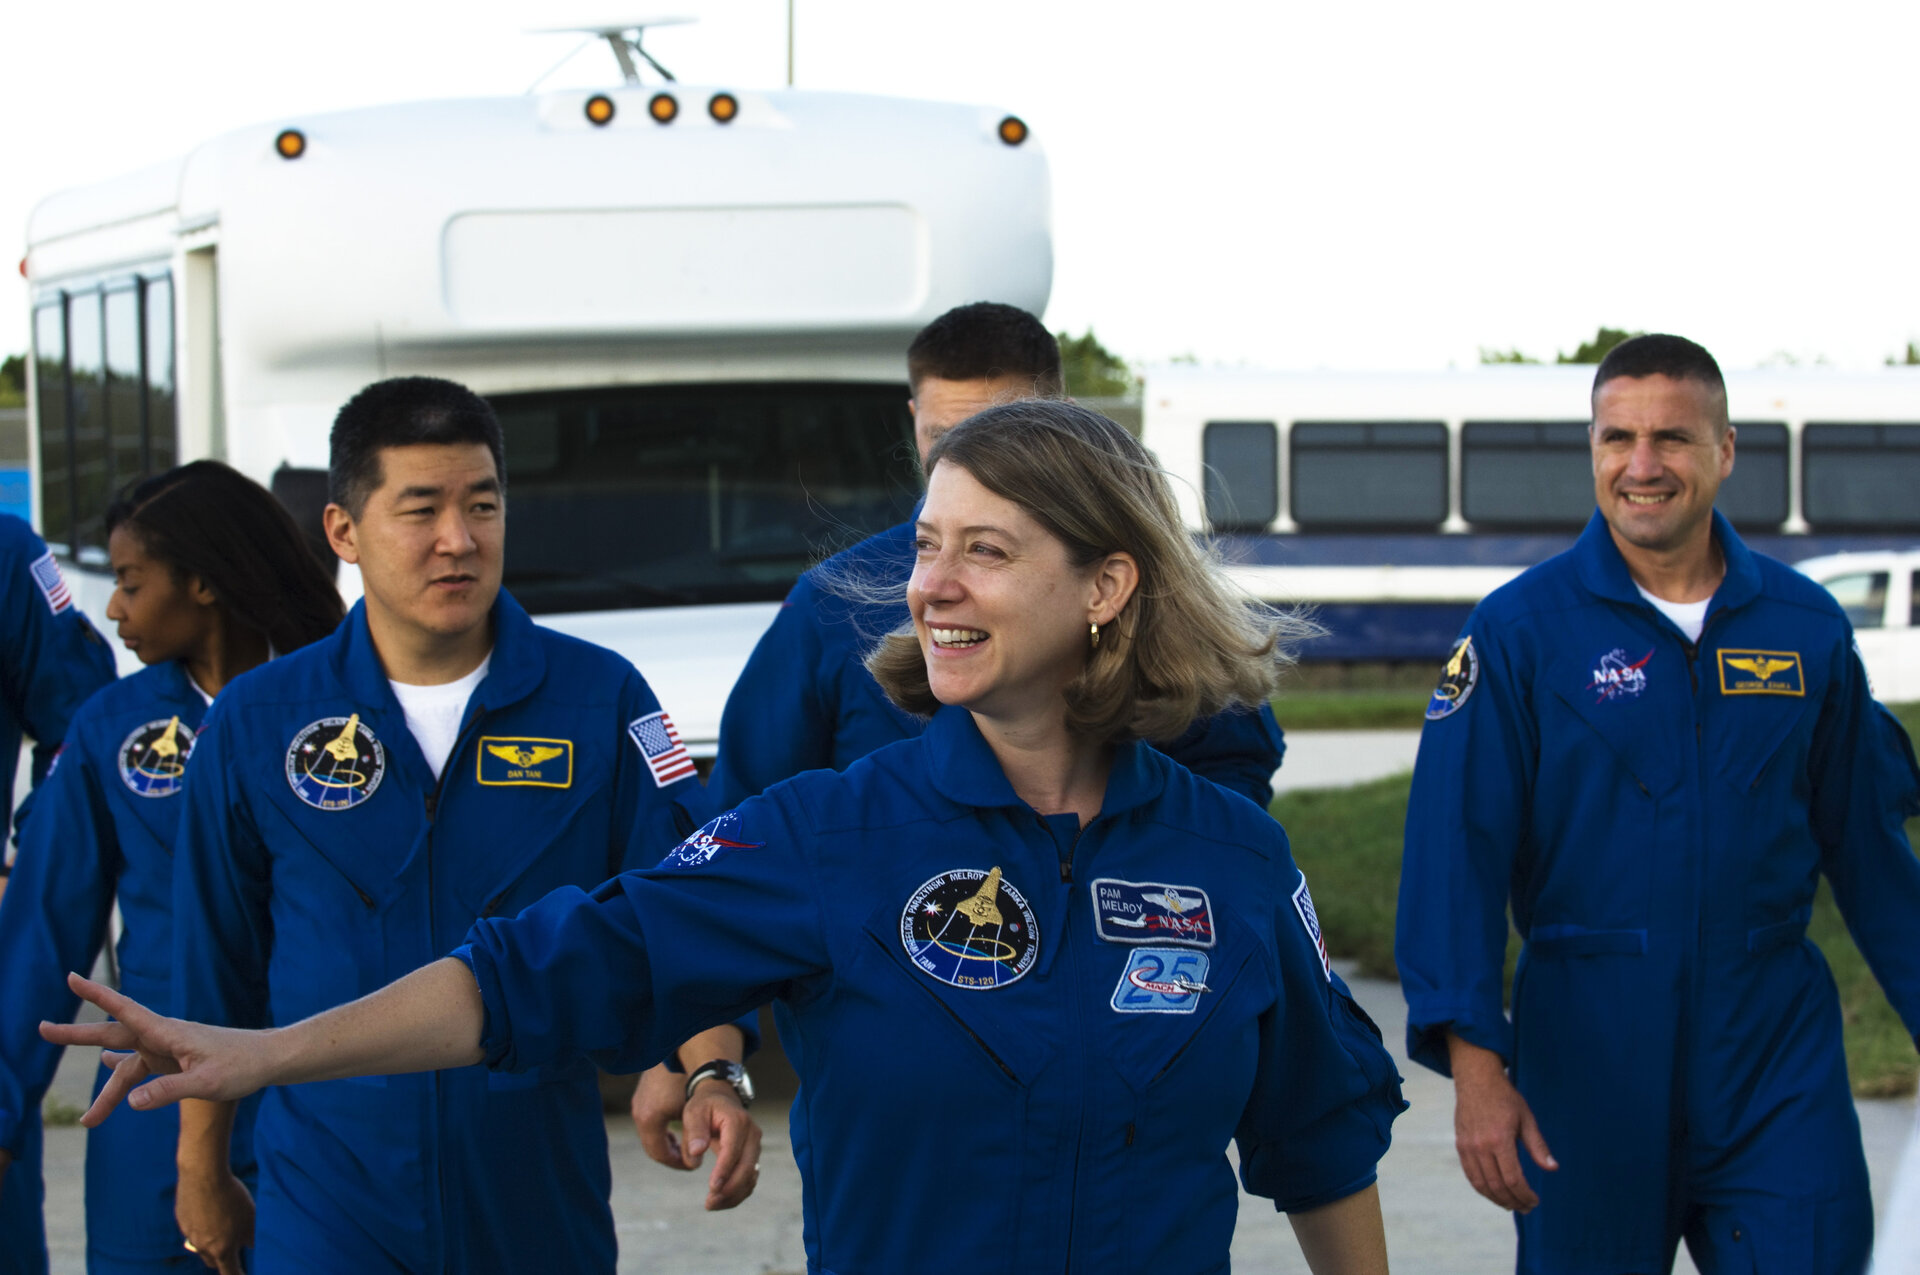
column 678, row 495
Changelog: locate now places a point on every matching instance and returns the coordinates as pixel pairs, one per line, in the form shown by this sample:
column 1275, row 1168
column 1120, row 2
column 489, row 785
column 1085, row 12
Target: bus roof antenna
column 623, row 44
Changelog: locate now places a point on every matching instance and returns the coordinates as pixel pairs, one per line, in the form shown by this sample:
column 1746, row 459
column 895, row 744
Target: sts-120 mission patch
column 970, row 929
column 1458, row 677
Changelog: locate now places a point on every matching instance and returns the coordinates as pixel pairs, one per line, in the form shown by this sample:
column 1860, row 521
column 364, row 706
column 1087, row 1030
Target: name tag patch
column 520, row 762
column 153, row 759
column 1761, row 673
column 1149, row 912
column 970, row 929
column 1161, row 980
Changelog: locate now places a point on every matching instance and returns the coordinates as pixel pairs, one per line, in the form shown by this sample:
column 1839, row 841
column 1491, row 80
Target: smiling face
column 159, row 616
column 1660, row 451
column 429, row 541
column 1000, row 610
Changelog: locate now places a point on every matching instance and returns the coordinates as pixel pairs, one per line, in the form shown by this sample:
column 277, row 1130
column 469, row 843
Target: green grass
column 57, row 1113
column 1351, row 710
column 1347, row 841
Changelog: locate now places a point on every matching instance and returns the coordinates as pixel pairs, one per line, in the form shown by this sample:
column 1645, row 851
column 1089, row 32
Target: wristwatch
column 725, row 1069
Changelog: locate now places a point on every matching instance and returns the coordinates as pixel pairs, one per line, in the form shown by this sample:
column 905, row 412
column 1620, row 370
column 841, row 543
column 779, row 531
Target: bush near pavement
column 1347, row 841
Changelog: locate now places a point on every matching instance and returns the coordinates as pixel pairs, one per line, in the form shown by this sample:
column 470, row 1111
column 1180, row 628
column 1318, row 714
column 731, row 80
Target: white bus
column 1396, row 501
column 689, row 305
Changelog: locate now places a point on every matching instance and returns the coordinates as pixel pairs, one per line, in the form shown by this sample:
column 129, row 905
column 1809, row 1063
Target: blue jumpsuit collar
column 519, row 662
column 965, row 771
column 1604, row 571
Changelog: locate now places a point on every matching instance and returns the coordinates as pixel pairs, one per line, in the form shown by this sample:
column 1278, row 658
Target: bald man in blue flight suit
column 1652, row 746
column 51, row 660
column 356, row 805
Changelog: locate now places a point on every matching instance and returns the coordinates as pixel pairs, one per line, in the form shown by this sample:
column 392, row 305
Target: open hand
column 191, row 1060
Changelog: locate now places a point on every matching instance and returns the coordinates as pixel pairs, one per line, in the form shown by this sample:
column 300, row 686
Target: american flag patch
column 660, row 744
column 53, row 585
column 1303, row 904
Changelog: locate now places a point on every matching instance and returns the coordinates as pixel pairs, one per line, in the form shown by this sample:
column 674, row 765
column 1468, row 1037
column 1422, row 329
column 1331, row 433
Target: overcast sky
column 1249, row 181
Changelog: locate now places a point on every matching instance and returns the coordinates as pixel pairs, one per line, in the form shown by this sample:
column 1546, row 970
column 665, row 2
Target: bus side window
column 1242, row 474
column 1913, row 605
column 1755, row 494
column 1368, row 475
column 1861, row 477
column 50, row 397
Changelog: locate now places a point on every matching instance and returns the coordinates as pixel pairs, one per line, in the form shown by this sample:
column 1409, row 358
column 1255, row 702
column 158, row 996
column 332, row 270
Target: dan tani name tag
column 519, row 762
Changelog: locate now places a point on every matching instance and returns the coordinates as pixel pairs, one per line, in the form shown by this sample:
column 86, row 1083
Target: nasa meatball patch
column 1458, row 677
column 153, row 757
column 969, row 929
column 335, row 763
column 721, row 836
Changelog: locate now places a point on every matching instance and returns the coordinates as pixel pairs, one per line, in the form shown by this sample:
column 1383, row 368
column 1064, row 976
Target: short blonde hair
column 1186, row 646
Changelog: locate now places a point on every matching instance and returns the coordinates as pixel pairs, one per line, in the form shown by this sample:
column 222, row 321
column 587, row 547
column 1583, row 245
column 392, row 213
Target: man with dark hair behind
column 355, row 807
column 1651, row 747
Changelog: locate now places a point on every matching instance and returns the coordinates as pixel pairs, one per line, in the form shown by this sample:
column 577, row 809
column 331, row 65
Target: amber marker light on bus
column 663, row 107
column 292, row 143
column 1013, row 130
column 723, row 107
column 599, row 109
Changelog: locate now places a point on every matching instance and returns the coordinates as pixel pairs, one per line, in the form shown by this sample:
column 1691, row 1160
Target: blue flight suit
column 805, row 700
column 102, row 827
column 1047, row 1086
column 51, row 660
column 319, row 860
column 1659, row 813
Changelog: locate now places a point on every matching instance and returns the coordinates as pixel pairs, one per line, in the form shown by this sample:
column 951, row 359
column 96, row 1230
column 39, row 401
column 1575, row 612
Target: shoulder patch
column 1303, row 904
column 53, row 585
column 659, row 742
column 721, row 836
column 1458, row 677
column 153, row 757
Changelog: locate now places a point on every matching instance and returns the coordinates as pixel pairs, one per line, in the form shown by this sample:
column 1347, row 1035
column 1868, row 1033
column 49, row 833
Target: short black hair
column 1663, row 354
column 403, row 412
column 986, row 340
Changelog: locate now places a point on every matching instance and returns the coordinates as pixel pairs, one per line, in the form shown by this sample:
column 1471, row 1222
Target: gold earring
column 1094, row 629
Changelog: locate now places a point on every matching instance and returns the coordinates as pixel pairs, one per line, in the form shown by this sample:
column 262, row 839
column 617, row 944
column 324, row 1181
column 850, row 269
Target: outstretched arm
column 427, row 1021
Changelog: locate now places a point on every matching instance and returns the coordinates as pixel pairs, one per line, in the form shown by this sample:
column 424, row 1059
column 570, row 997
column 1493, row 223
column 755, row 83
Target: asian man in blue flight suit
column 51, row 661
column 1651, row 747
column 356, row 805
column 805, row 700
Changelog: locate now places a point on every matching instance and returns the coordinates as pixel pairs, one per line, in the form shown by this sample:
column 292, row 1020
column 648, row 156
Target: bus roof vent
column 624, row 39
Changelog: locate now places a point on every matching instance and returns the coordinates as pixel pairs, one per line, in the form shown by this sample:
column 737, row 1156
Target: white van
column 1881, row 594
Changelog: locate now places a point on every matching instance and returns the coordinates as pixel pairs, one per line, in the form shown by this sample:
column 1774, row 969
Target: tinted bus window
column 1242, row 475
column 89, row 432
column 1755, row 494
column 1371, row 474
column 1864, row 476
column 1526, row 474
column 686, row 494
column 126, row 446
column 163, row 421
column 50, row 397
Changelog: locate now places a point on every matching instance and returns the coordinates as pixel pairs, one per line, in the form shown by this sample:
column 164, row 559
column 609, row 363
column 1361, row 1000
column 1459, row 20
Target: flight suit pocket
column 1159, row 1007
column 987, row 1020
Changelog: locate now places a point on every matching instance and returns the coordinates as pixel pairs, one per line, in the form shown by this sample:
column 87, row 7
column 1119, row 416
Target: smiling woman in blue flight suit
column 210, row 574
column 1036, row 976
